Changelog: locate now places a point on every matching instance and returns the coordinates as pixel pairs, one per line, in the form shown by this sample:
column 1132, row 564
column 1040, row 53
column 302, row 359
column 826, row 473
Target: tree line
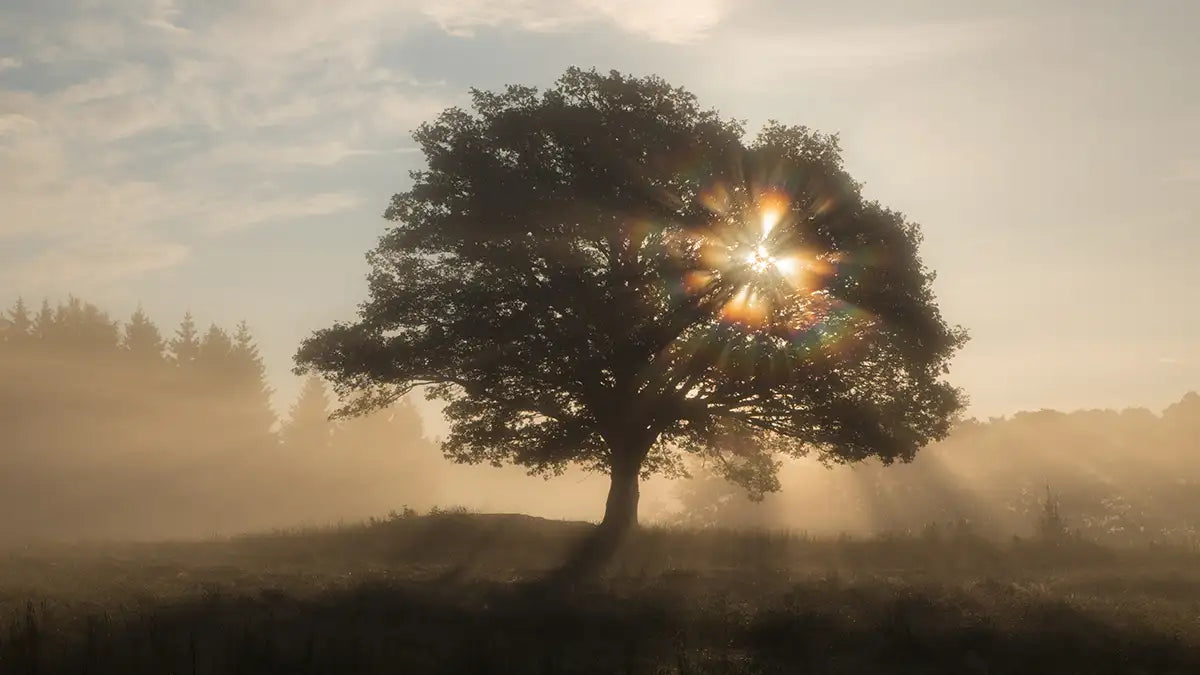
column 112, row 429
column 1115, row 476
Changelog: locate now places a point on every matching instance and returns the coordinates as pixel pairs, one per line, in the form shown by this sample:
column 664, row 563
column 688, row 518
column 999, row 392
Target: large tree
column 607, row 274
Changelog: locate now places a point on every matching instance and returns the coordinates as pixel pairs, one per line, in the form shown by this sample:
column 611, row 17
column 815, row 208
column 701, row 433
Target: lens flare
column 770, row 218
column 716, row 199
column 752, row 249
column 697, row 281
column 758, row 264
column 746, row 308
column 760, row 259
column 789, row 267
column 772, row 205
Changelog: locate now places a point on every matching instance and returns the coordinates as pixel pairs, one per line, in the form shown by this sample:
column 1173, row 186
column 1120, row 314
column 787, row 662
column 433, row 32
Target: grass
column 460, row 593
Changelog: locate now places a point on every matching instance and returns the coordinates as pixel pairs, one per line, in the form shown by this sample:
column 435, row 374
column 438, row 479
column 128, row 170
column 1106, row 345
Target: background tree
column 308, row 429
column 607, row 274
column 142, row 340
column 388, row 443
column 102, row 434
column 185, row 345
column 16, row 325
column 248, row 385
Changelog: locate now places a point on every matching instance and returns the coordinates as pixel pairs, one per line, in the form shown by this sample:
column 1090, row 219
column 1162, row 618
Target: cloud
column 767, row 58
column 93, row 262
column 251, row 212
column 670, row 21
column 158, row 123
column 176, row 122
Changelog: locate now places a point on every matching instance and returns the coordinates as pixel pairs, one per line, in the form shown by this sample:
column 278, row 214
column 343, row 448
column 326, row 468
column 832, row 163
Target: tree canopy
column 604, row 273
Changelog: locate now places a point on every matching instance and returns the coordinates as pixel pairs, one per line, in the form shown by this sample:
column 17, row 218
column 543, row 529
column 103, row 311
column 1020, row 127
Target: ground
column 461, row 593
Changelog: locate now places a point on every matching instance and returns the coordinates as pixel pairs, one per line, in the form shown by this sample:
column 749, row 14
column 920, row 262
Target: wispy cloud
column 93, row 261
column 188, row 128
column 766, row 58
column 670, row 21
column 169, row 121
column 256, row 211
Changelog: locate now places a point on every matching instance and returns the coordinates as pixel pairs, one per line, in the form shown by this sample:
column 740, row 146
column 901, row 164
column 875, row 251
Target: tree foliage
column 607, row 274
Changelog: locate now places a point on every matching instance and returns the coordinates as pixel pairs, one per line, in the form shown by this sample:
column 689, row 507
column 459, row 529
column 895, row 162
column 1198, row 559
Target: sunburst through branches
column 757, row 257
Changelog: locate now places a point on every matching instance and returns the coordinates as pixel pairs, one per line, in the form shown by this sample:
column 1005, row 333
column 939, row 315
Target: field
column 463, row 593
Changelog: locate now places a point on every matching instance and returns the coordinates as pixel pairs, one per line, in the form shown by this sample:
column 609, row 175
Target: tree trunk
column 620, row 516
column 621, row 509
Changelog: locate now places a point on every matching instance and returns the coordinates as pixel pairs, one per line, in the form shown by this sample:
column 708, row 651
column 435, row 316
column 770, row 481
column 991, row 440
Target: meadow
column 455, row 592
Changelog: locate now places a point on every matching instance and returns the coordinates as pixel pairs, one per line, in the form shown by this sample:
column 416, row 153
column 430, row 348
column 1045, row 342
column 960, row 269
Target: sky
column 234, row 158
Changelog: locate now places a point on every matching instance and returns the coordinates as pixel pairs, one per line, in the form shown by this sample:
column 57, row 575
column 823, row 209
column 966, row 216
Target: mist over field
column 116, row 432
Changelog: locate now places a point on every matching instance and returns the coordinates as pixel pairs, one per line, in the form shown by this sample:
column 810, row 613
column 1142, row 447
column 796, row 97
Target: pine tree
column 216, row 351
column 17, row 327
column 145, row 385
column 43, row 327
column 188, row 427
column 18, row 403
column 185, row 346
column 388, row 458
column 142, row 339
column 80, row 326
column 249, row 382
column 308, row 428
column 218, row 404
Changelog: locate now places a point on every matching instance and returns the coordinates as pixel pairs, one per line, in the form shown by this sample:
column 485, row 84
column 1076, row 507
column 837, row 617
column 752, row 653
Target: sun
column 755, row 252
column 760, row 259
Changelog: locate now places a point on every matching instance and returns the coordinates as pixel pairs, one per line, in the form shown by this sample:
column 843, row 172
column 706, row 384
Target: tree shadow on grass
column 488, row 627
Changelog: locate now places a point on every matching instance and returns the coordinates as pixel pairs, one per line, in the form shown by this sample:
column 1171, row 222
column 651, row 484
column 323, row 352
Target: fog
column 112, row 429
column 1118, row 477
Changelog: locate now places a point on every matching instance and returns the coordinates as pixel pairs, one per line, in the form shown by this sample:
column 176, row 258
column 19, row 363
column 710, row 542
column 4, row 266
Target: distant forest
column 110, row 429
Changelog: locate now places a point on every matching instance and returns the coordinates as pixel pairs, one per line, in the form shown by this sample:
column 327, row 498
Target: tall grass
column 454, row 592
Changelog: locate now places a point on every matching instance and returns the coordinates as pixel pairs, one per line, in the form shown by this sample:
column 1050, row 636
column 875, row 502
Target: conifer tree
column 390, row 455
column 43, row 324
column 16, row 327
column 16, row 401
column 141, row 338
column 249, row 385
column 79, row 326
column 185, row 346
column 215, row 354
column 308, row 428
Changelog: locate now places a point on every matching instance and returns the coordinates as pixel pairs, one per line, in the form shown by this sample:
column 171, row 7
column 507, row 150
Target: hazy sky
column 235, row 157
